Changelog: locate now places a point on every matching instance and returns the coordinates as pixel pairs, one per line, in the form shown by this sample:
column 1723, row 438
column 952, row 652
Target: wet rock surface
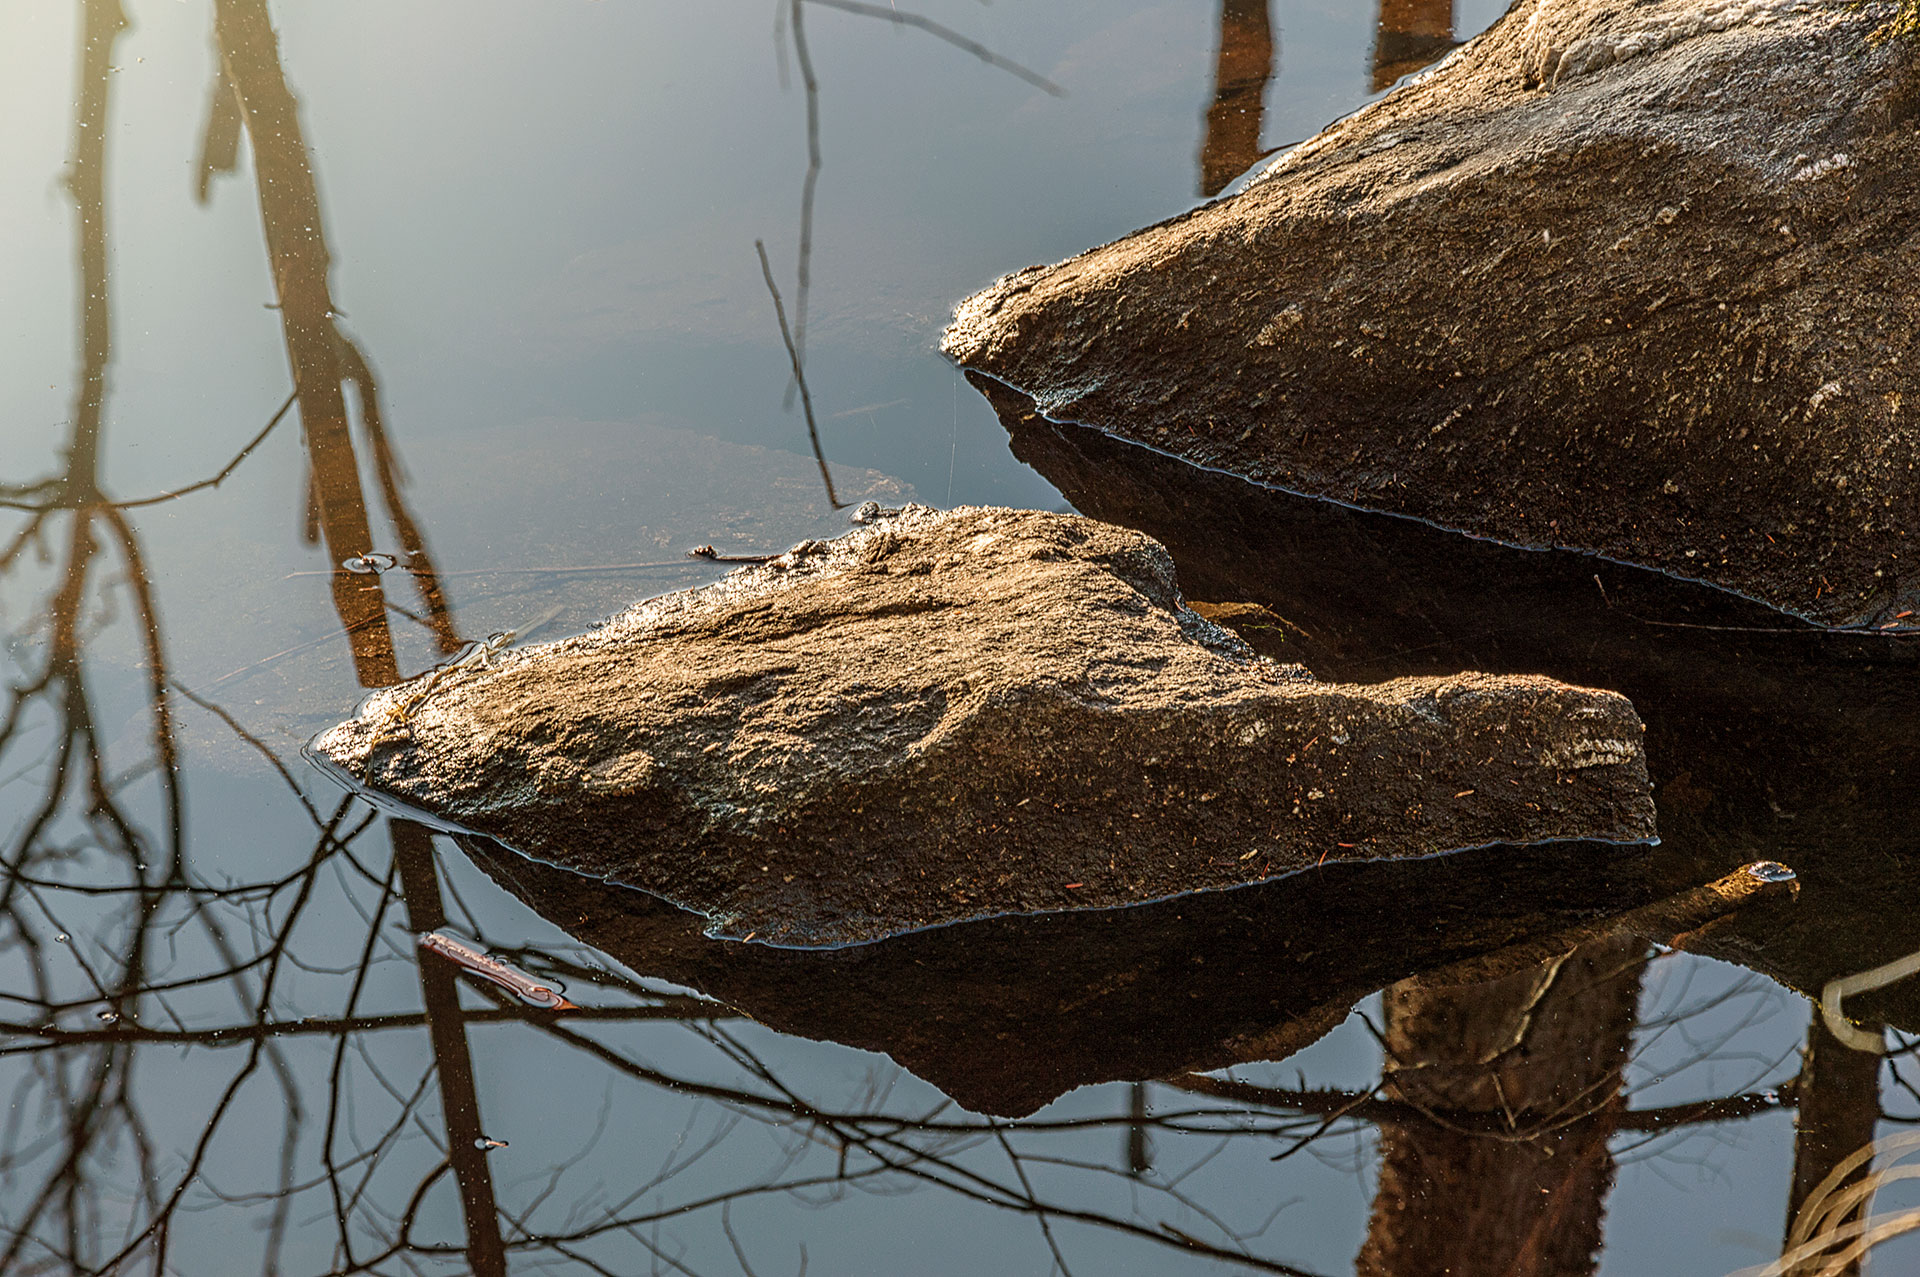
column 945, row 716
column 1631, row 279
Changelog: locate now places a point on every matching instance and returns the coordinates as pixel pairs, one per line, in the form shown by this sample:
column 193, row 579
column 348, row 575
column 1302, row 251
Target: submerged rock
column 944, row 716
column 1634, row 279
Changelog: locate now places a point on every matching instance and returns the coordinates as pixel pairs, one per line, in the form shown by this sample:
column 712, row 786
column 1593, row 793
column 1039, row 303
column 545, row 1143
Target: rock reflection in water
column 1508, row 1025
column 1764, row 737
column 1008, row 1013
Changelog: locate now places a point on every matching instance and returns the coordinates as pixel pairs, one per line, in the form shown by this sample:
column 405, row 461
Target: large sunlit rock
column 944, row 716
column 1637, row 279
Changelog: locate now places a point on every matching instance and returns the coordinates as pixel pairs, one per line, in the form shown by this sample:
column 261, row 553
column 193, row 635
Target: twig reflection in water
column 789, row 19
column 512, row 979
column 798, row 366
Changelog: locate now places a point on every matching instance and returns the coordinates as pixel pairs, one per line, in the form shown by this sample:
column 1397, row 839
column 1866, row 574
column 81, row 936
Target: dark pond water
column 476, row 286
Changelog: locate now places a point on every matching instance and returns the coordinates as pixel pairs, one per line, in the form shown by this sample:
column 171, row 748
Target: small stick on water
column 799, row 374
column 1800, row 630
column 562, row 570
column 1673, row 922
column 512, row 979
column 712, row 555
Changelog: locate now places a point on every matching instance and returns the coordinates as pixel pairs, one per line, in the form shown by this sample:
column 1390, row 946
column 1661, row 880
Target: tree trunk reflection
column 1246, row 65
column 459, row 1099
column 321, row 358
column 323, row 361
column 1411, row 34
column 1540, row 1054
column 1839, row 1093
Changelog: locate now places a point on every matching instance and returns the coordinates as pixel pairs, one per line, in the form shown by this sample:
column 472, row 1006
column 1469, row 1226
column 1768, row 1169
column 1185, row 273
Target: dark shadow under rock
column 951, row 716
column 1637, row 279
column 1005, row 1014
column 1765, row 739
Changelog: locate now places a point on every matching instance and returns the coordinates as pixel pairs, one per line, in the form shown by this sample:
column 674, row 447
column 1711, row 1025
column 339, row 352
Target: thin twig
column 226, row 470
column 799, row 374
column 948, row 34
column 803, row 272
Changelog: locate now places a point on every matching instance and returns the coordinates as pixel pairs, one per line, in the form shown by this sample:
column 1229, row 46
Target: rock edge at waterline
column 951, row 715
column 1636, row 279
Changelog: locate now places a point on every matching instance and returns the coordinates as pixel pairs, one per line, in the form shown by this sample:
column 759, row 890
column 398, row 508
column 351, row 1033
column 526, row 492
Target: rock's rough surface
column 952, row 715
column 1639, row 279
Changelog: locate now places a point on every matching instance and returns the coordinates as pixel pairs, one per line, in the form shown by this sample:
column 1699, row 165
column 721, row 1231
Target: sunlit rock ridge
column 1635, row 279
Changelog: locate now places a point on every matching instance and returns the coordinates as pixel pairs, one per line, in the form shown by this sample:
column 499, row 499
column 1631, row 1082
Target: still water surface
column 476, row 286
